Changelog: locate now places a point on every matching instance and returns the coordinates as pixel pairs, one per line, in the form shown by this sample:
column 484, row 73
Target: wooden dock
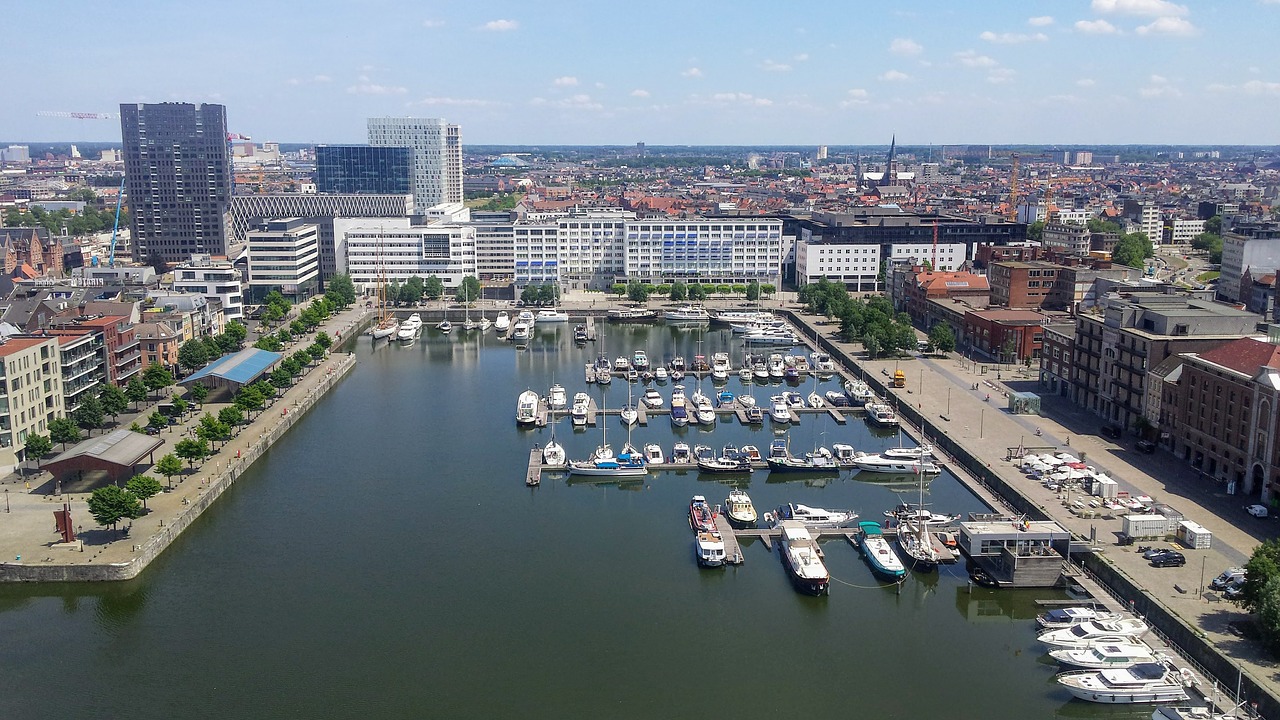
column 591, row 328
column 732, row 551
column 837, row 415
column 541, row 420
column 533, row 477
column 642, row 414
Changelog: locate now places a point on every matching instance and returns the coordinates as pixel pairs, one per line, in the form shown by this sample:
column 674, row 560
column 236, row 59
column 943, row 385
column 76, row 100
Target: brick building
column 1005, row 335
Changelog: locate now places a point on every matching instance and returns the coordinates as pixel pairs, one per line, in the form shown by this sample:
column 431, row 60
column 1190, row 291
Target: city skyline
column 1081, row 72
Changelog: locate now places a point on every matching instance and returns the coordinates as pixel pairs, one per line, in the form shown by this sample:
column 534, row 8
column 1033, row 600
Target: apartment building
column 711, row 250
column 436, row 147
column 216, row 280
column 284, row 256
column 30, row 393
column 374, row 250
column 82, row 356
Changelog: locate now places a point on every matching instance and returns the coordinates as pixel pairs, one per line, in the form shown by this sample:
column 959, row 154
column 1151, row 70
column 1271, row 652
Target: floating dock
column 732, row 551
column 534, row 477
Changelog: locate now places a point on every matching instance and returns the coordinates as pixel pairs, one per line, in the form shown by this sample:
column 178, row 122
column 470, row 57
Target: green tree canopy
column 942, row 338
column 89, row 415
column 697, row 292
column 468, row 290
column 231, row 415
column 1128, row 251
column 270, row 343
column 679, row 291
column 1213, row 225
column 1035, row 231
column 168, row 466
column 144, row 487
column 199, row 393
column 136, row 390
column 618, row 289
column 113, row 400
column 637, row 292
column 157, row 377
column 323, row 340
column 111, row 504
column 37, row 446
column 191, row 450
column 157, row 420
column 193, row 354
column 433, row 288
column 63, row 431
column 340, row 290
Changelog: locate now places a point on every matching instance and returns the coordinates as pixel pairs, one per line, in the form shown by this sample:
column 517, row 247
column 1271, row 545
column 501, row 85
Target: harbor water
column 385, row 559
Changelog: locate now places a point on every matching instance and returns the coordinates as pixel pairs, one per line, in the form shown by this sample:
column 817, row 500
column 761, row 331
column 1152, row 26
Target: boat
column 639, row 360
column 581, row 406
column 917, row 514
column 780, row 337
column 503, row 323
column 759, row 371
column 679, row 412
column 687, row 314
column 859, row 392
column 878, row 463
column 621, row 364
column 580, row 334
column 1156, row 682
column 835, row 398
column 485, row 324
column 818, row 461
column 793, row 399
column 730, row 317
column 677, row 364
column 724, row 465
column 553, row 453
column 681, row 455
column 1098, row 657
column 1094, row 633
column 653, row 454
column 881, row 415
column 724, row 398
column 738, row 508
column 709, row 549
column 520, row 331
column 745, row 400
column 604, row 370
column 1197, row 713
column 875, row 548
column 703, row 452
column 1069, row 616
column 700, row 363
column 701, row 518
column 603, row 462
column 791, row 374
column 703, row 410
column 803, row 559
column 755, row 415
column 917, row 547
column 813, row 517
column 981, row 577
column 744, row 373
column 557, row 399
column 776, row 367
column 527, row 408
column 822, row 363
column 815, row 400
column 633, row 375
column 720, row 366
column 660, row 374
column 646, row 377
column 652, row 398
column 590, row 373
column 526, row 317
column 779, row 411
column 385, row 328
column 843, row 454
column 407, row 332
column 445, row 327
column 628, row 315
column 629, row 415
column 551, row 315
column 752, row 452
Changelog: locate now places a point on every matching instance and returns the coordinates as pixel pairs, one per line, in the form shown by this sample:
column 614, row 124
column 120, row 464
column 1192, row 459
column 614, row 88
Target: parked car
column 1227, row 578
column 1258, row 511
column 1146, row 446
column 1112, row 431
column 1235, row 589
column 1172, row 558
column 1150, row 553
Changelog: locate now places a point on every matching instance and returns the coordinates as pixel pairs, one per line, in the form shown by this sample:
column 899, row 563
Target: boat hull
column 616, row 472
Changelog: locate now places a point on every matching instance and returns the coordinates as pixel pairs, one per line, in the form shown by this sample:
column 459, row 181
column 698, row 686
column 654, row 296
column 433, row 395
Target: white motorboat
column 703, row 409
column 527, row 408
column 738, row 508
column 730, row 317
column 681, row 454
column 653, row 454
column 822, row 363
column 1143, row 683
column 557, row 399
column 813, row 517
column 759, row 371
column 803, row 559
column 503, row 323
column 445, row 327
column 553, row 454
column 911, row 512
column 520, row 331
column 777, row 368
column 1094, row 633
column 621, row 364
column 1070, row 616
column 660, row 374
column 639, row 360
column 780, row 337
column 485, row 324
column 880, row 414
column 779, row 411
column 1099, row 657
column 551, row 315
column 526, row 317
column 720, row 366
column 709, row 549
column 906, row 453
column 843, row 454
column 407, row 332
column 652, row 398
column 581, row 405
column 836, row 398
column 679, row 408
column 629, row 415
column 687, row 314
column 859, row 392
column 878, row 463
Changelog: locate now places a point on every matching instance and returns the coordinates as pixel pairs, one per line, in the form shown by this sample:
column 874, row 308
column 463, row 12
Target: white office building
column 858, row 265
column 715, row 250
column 284, row 255
column 1182, row 231
column 215, row 280
column 437, row 155
column 394, row 249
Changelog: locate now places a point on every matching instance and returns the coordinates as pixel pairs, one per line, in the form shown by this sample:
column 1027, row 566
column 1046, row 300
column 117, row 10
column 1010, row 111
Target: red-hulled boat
column 701, row 518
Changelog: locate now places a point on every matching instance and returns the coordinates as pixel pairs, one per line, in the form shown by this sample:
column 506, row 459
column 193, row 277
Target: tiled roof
column 1245, row 355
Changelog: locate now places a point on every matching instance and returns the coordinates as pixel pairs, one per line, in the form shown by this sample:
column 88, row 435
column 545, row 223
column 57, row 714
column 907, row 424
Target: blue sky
column 691, row 72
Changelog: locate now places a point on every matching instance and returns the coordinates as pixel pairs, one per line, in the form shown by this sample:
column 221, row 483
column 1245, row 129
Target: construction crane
column 1013, row 189
column 237, row 136
column 79, row 115
column 115, row 229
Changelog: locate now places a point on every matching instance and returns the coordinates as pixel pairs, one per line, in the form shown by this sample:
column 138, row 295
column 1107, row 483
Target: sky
column 685, row 72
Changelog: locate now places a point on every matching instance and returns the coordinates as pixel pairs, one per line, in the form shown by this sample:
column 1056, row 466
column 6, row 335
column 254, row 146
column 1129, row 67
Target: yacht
column 724, row 398
column 910, row 512
column 779, row 411
column 520, row 331
column 859, row 392
column 752, row 452
column 755, row 415
column 687, row 314
column 702, row 408
column 738, row 508
column 1156, row 682
column 633, row 375
column 640, row 360
column 553, row 454
column 777, row 369
column 556, row 398
column 709, row 549
column 604, row 374
column 917, row 547
column 580, row 334
column 679, row 411
column 677, row 364
column 844, row 454
column 724, row 464
column 526, row 317
column 385, row 328
column 779, row 337
column 878, row 463
column 730, row 317
column 835, row 398
column 660, row 374
column 881, row 415
column 793, row 399
column 551, row 315
column 905, row 453
column 653, row 454
column 822, row 364
column 603, row 463
column 1094, row 633
column 875, row 548
column 445, row 326
column 527, row 408
column 581, row 404
column 503, row 323
column 759, row 371
column 407, row 332
column 681, row 455
column 1099, row 657
column 652, row 398
column 590, row 375
column 720, row 366
column 1067, row 617
column 818, row 461
column 803, row 559
column 629, row 415
column 632, row 315
column 621, row 364
column 813, row 517
column 701, row 519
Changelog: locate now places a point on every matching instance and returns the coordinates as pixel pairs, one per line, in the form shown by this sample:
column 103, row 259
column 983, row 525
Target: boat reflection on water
column 896, row 483
column 979, row 604
column 1076, row 710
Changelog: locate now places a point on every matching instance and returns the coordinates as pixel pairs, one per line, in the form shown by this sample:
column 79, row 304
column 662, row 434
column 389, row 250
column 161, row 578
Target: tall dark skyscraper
column 364, row 169
column 177, row 178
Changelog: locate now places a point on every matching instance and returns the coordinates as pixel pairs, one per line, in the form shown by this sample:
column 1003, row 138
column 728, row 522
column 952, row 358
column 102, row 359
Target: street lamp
column 982, row 418
column 948, row 402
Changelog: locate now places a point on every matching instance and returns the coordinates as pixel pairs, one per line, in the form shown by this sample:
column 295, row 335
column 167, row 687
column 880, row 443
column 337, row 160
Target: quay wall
column 150, row 549
column 1211, row 662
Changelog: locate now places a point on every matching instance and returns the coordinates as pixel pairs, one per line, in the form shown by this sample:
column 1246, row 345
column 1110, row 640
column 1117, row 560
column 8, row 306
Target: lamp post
column 922, row 381
column 982, row 417
column 948, row 402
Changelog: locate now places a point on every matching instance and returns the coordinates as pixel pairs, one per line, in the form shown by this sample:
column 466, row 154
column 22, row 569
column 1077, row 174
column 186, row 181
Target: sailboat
column 553, row 453
column 467, row 324
column 703, row 410
column 629, row 414
column 387, row 325
column 603, row 463
column 914, row 541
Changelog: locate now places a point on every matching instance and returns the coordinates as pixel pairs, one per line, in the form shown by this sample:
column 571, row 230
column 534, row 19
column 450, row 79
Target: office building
column 373, row 250
column 216, row 280
column 364, row 170
column 1252, row 248
column 1145, row 215
column 723, row 251
column 177, row 178
column 31, row 394
column 437, row 155
column 284, row 255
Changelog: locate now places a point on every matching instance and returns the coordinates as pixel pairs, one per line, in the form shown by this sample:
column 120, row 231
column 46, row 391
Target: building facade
column 1247, row 247
column 1056, row 368
column 364, row 170
column 284, row 255
column 30, row 393
column 1008, row 336
column 177, row 178
column 437, row 155
column 214, row 279
column 373, row 250
column 710, row 250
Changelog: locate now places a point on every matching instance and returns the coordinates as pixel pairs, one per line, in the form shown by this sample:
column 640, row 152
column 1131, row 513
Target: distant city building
column 15, row 154
column 284, row 255
column 373, row 250
column 1252, row 247
column 1068, row 238
column 1181, row 231
column 1145, row 213
column 437, row 155
column 364, row 169
column 177, row 178
column 822, row 152
column 33, row 248
column 711, row 250
column 1083, row 157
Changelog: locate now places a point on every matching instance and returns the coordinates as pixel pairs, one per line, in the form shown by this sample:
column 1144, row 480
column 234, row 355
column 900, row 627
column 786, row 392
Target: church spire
column 890, row 170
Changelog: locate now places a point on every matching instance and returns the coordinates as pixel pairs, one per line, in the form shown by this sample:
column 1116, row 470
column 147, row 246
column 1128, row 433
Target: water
column 385, row 559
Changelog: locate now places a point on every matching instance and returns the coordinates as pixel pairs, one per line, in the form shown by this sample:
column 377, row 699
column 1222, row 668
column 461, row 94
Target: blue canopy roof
column 241, row 368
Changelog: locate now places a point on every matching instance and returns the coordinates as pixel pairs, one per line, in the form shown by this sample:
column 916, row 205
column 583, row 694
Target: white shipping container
column 1145, row 526
column 1105, row 487
column 1194, row 535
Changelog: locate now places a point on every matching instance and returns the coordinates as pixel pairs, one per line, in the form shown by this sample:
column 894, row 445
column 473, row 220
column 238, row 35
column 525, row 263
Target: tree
column 1209, row 243
column 157, row 377
column 193, row 355
column 37, row 446
column 1128, row 251
column 550, row 293
column 1035, row 231
column 297, row 328
column 942, row 338
column 143, row 487
column 181, row 406
column 236, row 332
column 285, row 336
column 753, row 290
column 411, row 292
column 340, row 290
column 89, row 415
column 723, row 289
column 248, row 399
column 433, row 288
column 323, row 340
column 468, row 289
column 1262, row 568
column 697, row 292
column 199, row 393
column 157, row 420
column 739, row 289
column 191, row 450
column 136, row 391
column 871, row 345
column 168, row 466
column 303, row 357
column 1213, row 225
column 109, row 505
column 618, row 289
column 231, row 416
column 1269, row 615
column 113, row 400
column 1009, row 349
column 768, row 289
column 281, row 378
column 316, row 352
column 679, row 291
column 636, row 292
column 270, row 343
column 291, row 365
column 530, row 294
column 63, row 431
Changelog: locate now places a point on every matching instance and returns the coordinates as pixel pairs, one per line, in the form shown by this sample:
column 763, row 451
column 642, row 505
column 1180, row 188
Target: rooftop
column 241, row 367
column 1246, row 356
column 16, row 345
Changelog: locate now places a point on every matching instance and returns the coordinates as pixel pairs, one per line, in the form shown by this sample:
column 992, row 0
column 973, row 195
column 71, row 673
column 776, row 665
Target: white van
column 1228, row 576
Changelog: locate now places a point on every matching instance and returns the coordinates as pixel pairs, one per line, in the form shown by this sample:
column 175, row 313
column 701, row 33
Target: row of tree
column 198, row 352
column 415, row 290
column 872, row 321
column 545, row 294
column 637, row 291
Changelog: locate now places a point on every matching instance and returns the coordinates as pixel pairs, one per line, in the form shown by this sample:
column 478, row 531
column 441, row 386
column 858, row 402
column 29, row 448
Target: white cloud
column 802, row 57
column 294, row 81
column 1169, row 26
column 859, row 93
column 372, row 89
column 1147, row 8
column 692, row 72
column 969, row 58
column 500, row 25
column 772, row 66
column 1159, row 80
column 1252, row 87
column 640, row 93
column 565, row 81
column 321, row 78
column 1159, row 88
column 743, row 98
column 1041, row 21
column 1085, row 82
column 454, row 102
column 999, row 76
column 1012, row 38
column 573, row 102
column 894, row 76
column 905, row 47
column 856, row 96
column 1096, row 27
column 432, row 23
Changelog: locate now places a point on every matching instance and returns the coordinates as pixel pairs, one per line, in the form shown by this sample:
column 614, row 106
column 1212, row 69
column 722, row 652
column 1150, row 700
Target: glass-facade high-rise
column 177, row 178
column 364, row 170
column 437, row 155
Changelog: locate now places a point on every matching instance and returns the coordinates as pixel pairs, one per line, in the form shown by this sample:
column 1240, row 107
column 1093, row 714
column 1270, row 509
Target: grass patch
column 1208, row 276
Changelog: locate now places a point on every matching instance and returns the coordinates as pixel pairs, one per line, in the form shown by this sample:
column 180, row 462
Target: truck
column 899, row 379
